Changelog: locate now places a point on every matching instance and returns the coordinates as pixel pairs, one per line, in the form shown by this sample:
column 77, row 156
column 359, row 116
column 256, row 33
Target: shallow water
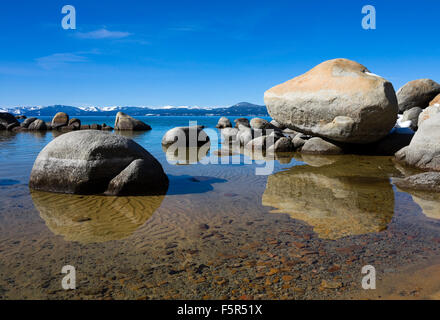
column 304, row 231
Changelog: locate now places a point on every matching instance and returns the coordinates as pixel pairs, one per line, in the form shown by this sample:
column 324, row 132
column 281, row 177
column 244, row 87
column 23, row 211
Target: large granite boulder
column 223, row 122
column 193, row 136
column 339, row 100
column 94, row 162
column 417, row 93
column 125, row 122
column 7, row 119
column 60, row 119
column 424, row 150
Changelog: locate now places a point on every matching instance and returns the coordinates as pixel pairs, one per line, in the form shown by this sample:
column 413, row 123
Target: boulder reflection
column 185, row 155
column 350, row 196
column 429, row 202
column 88, row 219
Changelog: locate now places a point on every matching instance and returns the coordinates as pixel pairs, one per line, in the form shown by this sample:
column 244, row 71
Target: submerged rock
column 417, row 93
column 125, row 122
column 339, row 100
column 85, row 162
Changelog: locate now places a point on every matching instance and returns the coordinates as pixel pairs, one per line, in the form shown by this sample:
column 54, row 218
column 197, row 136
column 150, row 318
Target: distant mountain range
column 239, row 109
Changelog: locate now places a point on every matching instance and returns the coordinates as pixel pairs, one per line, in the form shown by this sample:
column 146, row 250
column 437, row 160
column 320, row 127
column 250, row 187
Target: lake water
column 303, row 231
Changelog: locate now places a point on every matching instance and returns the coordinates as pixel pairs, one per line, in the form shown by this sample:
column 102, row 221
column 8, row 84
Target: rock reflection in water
column 88, row 219
column 182, row 156
column 429, row 202
column 350, row 196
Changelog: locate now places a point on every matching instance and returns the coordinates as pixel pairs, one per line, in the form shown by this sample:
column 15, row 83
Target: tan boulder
column 60, row 119
column 339, row 100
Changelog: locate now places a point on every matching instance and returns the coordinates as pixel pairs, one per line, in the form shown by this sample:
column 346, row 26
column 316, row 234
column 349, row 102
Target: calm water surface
column 221, row 232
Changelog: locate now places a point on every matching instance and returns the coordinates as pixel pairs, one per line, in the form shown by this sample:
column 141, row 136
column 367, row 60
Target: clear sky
column 205, row 53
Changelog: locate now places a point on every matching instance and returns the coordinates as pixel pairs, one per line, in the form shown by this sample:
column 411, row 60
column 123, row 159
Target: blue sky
column 205, row 53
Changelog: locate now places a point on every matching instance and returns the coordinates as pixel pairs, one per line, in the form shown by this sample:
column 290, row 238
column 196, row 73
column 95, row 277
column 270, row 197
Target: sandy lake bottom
column 221, row 232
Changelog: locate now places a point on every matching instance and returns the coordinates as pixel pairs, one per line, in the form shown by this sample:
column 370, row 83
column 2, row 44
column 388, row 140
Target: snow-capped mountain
column 239, row 109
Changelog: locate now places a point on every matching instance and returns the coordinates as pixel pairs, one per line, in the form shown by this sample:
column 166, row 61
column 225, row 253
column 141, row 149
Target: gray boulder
column 413, row 116
column 278, row 125
column 26, row 123
column 223, row 122
column 85, row 162
column 186, row 137
column 417, row 93
column 75, row 123
column 125, row 122
column 339, row 100
column 317, row 145
column 424, row 150
column 37, row 125
column 242, row 121
column 244, row 135
column 283, row 144
column 229, row 134
column 298, row 141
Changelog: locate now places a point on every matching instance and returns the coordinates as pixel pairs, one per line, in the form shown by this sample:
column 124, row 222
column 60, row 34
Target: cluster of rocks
column 62, row 122
column 340, row 107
